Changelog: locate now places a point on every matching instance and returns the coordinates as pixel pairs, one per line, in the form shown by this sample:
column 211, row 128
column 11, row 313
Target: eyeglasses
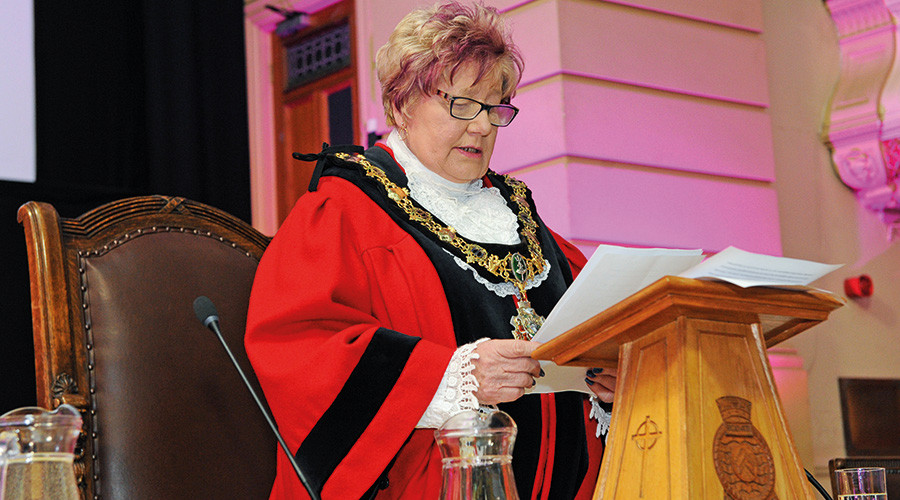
column 463, row 108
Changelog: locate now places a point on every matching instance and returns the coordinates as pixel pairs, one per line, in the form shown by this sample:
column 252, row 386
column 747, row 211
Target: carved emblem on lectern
column 743, row 460
column 645, row 437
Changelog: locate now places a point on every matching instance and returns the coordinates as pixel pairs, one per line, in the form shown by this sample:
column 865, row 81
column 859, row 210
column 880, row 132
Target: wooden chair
column 891, row 468
column 166, row 415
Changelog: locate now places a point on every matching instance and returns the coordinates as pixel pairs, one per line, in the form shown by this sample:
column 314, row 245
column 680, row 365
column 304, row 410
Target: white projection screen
column 17, row 122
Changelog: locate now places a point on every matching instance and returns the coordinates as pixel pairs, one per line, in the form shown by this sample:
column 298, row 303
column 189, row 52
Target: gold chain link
column 475, row 253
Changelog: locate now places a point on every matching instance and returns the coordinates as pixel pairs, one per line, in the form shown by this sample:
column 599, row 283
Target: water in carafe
column 476, row 449
column 37, row 458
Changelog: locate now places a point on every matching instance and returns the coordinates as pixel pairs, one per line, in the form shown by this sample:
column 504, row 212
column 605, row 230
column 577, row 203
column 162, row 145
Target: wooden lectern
column 696, row 414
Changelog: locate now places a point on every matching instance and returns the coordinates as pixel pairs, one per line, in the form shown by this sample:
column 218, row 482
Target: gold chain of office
column 513, row 267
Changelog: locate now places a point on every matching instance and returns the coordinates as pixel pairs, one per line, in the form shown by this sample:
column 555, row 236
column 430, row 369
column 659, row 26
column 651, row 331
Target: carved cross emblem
column 645, row 438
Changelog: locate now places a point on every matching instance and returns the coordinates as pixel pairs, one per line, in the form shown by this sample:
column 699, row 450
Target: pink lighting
column 598, row 201
column 596, row 119
column 655, row 133
column 863, row 124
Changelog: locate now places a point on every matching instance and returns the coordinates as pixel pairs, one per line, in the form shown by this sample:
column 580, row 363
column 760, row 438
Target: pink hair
column 431, row 43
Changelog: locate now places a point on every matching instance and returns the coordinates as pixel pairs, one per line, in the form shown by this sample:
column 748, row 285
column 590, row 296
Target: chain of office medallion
column 474, row 253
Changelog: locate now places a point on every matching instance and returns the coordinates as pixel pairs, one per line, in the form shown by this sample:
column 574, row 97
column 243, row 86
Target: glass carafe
column 38, row 453
column 476, row 450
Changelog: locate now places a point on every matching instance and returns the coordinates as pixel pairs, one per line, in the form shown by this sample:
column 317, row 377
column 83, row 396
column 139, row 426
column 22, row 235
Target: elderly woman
column 405, row 286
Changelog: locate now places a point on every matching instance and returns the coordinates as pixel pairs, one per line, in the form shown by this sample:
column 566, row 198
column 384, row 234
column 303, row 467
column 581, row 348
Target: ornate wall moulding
column 863, row 125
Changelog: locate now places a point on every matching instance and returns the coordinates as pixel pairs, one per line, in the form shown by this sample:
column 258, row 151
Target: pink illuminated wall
column 645, row 124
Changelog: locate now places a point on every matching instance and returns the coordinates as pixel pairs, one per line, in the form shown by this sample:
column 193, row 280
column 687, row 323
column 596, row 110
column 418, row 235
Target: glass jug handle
column 9, row 447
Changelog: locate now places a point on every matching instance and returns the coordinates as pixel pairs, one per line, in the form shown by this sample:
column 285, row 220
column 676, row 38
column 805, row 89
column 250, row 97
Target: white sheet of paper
column 611, row 275
column 560, row 378
column 614, row 273
column 746, row 269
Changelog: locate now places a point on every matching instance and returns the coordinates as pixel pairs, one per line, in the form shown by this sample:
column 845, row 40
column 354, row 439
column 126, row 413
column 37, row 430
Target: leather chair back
column 166, row 415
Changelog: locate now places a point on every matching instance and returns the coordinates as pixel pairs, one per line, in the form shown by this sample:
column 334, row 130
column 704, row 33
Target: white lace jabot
column 476, row 212
column 479, row 214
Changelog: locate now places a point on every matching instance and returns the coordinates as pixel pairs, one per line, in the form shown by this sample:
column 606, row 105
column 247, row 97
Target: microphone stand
column 211, row 320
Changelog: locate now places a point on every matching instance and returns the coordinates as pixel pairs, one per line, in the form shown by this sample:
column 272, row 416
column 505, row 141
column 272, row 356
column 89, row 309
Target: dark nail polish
column 542, row 372
column 589, row 381
column 590, row 372
column 533, row 382
column 597, row 371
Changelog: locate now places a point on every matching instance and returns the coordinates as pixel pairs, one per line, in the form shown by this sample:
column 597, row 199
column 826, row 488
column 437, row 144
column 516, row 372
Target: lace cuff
column 456, row 393
column 603, row 417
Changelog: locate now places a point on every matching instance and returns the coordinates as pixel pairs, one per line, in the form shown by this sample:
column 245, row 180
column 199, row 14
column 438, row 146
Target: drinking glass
column 866, row 483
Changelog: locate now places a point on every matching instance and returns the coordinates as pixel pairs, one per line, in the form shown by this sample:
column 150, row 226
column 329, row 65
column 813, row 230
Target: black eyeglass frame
column 484, row 107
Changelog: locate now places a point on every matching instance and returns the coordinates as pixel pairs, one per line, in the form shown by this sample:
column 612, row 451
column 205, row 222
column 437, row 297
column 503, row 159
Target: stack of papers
column 614, row 273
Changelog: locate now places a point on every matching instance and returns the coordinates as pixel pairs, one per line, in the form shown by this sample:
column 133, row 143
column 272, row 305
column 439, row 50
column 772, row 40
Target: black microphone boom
column 207, row 314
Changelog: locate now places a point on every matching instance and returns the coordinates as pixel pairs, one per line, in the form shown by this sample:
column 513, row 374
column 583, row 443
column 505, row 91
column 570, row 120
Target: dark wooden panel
column 871, row 415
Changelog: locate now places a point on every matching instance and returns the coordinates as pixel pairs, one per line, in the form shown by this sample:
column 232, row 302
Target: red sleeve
column 349, row 334
column 577, row 260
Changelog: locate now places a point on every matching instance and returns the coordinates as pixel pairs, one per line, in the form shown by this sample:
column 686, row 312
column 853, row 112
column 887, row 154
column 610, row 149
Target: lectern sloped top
column 780, row 313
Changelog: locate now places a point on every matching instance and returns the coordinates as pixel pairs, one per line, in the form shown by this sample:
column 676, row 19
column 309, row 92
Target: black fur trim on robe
column 355, row 406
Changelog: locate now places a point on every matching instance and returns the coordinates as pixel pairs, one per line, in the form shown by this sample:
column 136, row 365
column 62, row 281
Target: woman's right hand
column 504, row 369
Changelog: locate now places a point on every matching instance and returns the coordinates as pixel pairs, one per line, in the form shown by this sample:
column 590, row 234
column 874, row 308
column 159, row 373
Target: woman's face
column 457, row 150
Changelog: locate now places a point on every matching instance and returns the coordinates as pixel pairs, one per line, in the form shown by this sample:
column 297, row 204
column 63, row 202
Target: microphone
column 207, row 314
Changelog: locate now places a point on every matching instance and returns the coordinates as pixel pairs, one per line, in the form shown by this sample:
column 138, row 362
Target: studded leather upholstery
column 166, row 415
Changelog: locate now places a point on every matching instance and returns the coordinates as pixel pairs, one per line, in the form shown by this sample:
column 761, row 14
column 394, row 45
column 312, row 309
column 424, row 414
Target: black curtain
column 133, row 98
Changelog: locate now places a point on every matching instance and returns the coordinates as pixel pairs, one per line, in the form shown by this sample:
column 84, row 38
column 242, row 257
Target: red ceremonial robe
column 349, row 333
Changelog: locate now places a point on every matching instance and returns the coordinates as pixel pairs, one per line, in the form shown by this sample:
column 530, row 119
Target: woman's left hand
column 602, row 382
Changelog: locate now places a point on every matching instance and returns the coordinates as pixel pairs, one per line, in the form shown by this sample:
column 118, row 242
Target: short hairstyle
column 430, row 43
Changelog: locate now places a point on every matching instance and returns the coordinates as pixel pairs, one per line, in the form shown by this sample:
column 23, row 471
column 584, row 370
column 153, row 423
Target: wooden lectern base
column 696, row 414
